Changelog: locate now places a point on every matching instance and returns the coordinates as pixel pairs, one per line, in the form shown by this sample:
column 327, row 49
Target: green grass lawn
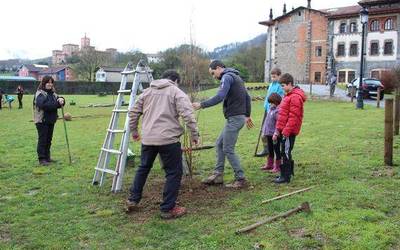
column 355, row 204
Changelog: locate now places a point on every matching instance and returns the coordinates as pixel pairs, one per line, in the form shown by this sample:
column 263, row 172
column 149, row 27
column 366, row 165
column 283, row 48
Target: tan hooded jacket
column 161, row 105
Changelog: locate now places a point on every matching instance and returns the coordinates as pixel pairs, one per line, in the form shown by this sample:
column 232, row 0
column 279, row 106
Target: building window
column 374, row 48
column 342, row 76
column 341, row 49
column 318, row 51
column 389, row 24
column 388, row 48
column 351, row 75
column 374, row 26
column 353, row 49
column 342, row 28
column 317, row 77
column 375, row 74
column 353, row 27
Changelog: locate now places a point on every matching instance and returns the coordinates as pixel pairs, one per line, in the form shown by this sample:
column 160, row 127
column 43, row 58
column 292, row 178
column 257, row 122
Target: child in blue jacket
column 274, row 87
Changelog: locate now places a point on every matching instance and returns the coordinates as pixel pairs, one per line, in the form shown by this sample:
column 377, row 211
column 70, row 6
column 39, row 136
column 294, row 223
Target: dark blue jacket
column 48, row 103
column 234, row 94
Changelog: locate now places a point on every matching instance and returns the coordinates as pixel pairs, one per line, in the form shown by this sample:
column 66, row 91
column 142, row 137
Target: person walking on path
column 161, row 105
column 332, row 84
column 237, row 110
column 46, row 103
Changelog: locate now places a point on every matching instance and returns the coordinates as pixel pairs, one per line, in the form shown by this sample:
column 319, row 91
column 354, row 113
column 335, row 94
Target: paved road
column 323, row 90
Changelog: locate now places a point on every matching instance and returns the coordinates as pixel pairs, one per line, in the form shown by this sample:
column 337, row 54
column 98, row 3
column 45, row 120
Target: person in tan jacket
column 160, row 106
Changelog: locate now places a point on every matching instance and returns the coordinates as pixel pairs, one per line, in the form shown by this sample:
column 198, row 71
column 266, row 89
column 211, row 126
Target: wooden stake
column 378, row 98
column 286, row 195
column 388, row 153
column 303, row 207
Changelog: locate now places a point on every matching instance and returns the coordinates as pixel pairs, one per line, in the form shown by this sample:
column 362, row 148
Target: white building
column 381, row 42
column 110, row 74
column 153, row 58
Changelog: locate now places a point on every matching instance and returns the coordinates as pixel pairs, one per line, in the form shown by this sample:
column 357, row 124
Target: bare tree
column 90, row 61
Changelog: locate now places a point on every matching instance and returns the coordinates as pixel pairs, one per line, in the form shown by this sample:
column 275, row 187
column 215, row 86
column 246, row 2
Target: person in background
column 20, row 95
column 9, row 99
column 1, row 98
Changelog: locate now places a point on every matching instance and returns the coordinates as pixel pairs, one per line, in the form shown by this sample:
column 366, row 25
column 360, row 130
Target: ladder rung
column 107, row 171
column 120, row 110
column 136, row 71
column 113, row 151
column 116, row 130
column 124, row 91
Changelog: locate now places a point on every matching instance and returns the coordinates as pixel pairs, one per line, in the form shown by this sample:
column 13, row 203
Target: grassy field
column 355, row 202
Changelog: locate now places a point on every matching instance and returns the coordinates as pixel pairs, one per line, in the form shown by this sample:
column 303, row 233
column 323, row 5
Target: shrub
column 390, row 80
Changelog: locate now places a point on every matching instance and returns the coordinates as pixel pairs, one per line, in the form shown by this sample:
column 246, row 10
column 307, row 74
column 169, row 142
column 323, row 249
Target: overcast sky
column 32, row 29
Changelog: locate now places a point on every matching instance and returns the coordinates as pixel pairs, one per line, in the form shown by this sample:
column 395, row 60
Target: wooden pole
column 396, row 112
column 310, row 88
column 378, row 98
column 388, row 153
column 286, row 195
column 353, row 90
column 303, row 207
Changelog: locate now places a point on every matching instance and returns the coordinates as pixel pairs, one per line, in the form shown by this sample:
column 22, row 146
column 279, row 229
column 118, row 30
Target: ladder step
column 120, row 110
column 106, row 171
column 125, row 91
column 116, row 130
column 128, row 72
column 113, row 151
column 136, row 71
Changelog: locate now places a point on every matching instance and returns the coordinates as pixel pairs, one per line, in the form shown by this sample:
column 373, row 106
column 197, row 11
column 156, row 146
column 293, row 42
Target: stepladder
column 116, row 143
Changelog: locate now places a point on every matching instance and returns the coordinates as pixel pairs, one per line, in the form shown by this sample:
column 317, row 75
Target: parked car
column 370, row 87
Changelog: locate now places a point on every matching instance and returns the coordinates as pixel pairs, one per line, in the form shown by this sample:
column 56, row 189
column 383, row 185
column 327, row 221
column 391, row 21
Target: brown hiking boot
column 241, row 183
column 214, row 179
column 174, row 213
column 131, row 206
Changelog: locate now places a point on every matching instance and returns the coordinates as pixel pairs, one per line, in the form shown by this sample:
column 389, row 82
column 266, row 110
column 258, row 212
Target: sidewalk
column 323, row 91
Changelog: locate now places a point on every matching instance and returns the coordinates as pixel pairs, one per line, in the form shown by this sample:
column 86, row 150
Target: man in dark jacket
column 237, row 110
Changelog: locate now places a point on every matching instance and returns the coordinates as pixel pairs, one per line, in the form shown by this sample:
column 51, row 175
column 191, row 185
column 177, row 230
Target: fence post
column 396, row 111
column 378, row 98
column 388, row 153
column 310, row 88
column 352, row 92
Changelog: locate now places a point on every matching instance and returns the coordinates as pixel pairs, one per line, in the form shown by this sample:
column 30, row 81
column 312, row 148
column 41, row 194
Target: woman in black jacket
column 46, row 103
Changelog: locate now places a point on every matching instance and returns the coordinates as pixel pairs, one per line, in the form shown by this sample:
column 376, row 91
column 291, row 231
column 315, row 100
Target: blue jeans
column 225, row 146
column 171, row 156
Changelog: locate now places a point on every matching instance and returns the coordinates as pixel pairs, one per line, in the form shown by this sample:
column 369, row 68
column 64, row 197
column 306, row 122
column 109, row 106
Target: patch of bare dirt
column 195, row 196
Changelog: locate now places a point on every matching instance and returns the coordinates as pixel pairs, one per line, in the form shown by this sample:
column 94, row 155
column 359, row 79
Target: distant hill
column 46, row 61
column 229, row 49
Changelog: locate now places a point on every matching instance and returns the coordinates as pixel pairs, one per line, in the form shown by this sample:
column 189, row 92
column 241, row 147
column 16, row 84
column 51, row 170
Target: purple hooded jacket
column 270, row 121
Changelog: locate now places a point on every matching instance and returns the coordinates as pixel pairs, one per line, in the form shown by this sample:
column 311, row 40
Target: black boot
column 285, row 175
column 291, row 173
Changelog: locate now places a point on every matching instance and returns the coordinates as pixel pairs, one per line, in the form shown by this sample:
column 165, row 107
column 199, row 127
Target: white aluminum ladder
column 142, row 73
